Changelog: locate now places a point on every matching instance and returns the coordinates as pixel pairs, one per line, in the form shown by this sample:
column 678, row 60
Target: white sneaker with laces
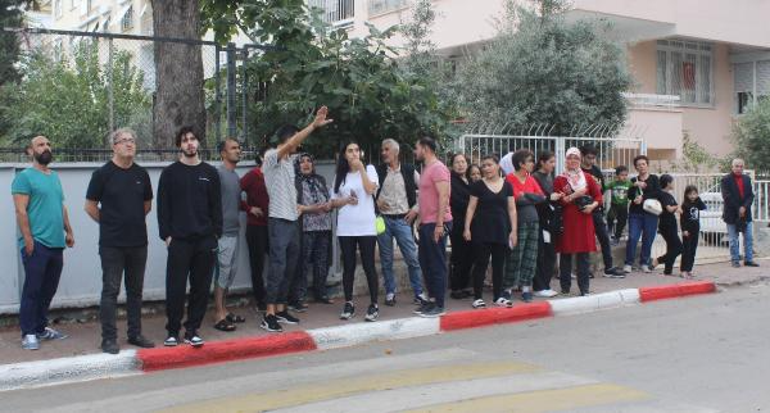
column 479, row 304
column 30, row 342
column 627, row 269
column 546, row 293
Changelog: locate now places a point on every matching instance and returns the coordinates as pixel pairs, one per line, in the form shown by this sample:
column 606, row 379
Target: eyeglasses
column 125, row 141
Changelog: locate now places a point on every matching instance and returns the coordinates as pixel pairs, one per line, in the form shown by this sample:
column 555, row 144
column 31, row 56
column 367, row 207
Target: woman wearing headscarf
column 316, row 223
column 581, row 195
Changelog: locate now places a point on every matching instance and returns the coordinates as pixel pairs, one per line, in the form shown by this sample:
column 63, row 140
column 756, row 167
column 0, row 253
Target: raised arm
column 295, row 141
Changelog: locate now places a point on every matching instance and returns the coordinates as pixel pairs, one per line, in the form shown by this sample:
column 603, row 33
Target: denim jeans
column 398, row 228
column 644, row 226
column 433, row 261
column 115, row 262
column 748, row 242
column 42, row 271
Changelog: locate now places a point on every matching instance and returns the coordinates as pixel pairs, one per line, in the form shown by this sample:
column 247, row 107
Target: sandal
column 234, row 318
column 224, row 325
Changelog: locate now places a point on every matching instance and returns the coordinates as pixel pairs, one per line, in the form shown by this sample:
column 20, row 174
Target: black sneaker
column 141, row 341
column 193, row 339
column 420, row 299
column 348, row 311
column 614, row 272
column 433, row 312
column 526, row 297
column 298, row 307
column 427, row 306
column 261, row 307
column 270, row 323
column 390, row 299
column 750, row 264
column 285, row 318
column 110, row 346
column 171, row 341
column 372, row 313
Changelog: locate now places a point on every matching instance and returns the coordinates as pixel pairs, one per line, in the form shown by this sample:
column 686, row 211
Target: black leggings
column 461, row 260
column 482, row 252
column 366, row 246
column 673, row 248
column 689, row 250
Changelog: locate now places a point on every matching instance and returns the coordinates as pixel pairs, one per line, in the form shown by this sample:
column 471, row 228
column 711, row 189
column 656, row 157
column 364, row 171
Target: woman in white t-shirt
column 354, row 186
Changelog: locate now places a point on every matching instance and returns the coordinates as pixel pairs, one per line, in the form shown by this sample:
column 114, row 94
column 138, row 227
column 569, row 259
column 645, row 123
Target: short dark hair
column 184, row 130
column 640, row 157
column 665, row 179
column 492, row 156
column 285, row 132
column 429, row 142
column 544, row 157
column 223, row 144
column 519, row 157
column 620, row 169
column 589, row 149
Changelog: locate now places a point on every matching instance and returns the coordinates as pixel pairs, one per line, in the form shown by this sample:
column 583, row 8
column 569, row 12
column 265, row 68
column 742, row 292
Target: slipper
column 233, row 318
column 224, row 325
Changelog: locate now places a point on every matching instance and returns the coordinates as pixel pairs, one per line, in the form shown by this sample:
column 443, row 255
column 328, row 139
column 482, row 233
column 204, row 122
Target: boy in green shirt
column 618, row 215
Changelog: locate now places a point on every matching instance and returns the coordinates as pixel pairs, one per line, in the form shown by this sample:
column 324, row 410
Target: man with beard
column 190, row 222
column 45, row 231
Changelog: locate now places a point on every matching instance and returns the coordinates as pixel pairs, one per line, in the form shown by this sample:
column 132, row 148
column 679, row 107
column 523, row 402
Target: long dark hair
column 343, row 167
column 687, row 190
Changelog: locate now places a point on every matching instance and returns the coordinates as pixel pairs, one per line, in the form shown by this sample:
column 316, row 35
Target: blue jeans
column 748, row 242
column 399, row 229
column 644, row 226
column 42, row 271
column 433, row 261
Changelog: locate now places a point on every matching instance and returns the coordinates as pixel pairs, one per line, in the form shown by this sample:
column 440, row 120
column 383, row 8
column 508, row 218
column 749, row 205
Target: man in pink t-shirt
column 436, row 223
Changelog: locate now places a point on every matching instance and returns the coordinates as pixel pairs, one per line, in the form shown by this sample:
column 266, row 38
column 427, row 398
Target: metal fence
column 114, row 78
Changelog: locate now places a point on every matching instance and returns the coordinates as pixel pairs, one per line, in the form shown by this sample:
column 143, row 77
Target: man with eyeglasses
column 118, row 198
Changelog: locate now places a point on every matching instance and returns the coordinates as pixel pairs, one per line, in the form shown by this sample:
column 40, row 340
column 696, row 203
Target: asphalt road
column 703, row 354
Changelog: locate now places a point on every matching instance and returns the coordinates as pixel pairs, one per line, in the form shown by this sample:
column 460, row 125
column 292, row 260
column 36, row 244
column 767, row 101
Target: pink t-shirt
column 436, row 172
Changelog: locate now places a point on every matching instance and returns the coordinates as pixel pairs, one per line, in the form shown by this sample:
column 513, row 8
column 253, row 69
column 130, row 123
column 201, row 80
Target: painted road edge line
column 100, row 366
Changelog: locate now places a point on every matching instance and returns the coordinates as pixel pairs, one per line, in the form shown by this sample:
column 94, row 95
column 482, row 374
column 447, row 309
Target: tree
column 68, row 100
column 752, row 136
column 540, row 69
column 179, row 99
column 310, row 64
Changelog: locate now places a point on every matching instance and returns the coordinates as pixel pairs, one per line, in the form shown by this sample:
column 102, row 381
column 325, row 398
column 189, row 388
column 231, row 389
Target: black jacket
column 733, row 200
column 407, row 173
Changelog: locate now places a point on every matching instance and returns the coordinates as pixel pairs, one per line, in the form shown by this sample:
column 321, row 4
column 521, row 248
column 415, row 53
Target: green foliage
column 69, row 101
column 311, row 64
column 695, row 158
column 541, row 69
column 752, row 136
column 11, row 15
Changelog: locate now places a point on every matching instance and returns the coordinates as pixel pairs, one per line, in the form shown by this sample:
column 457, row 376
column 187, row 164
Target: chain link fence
column 80, row 86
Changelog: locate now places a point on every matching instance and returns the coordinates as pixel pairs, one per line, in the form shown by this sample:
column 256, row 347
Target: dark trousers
column 365, row 245
column 546, row 261
column 604, row 238
column 461, row 261
column 565, row 273
column 482, row 252
column 42, row 270
column 689, row 248
column 617, row 219
column 315, row 258
column 193, row 259
column 433, row 261
column 115, row 262
column 284, row 256
column 256, row 238
column 673, row 248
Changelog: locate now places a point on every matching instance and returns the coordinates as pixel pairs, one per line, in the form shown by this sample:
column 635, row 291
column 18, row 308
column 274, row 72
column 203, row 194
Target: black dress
column 461, row 260
column 491, row 224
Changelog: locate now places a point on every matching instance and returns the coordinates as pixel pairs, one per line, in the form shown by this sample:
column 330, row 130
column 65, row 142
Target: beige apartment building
column 698, row 65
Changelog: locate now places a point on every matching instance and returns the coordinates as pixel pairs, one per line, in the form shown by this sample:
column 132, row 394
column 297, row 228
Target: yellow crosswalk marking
column 543, row 400
column 304, row 394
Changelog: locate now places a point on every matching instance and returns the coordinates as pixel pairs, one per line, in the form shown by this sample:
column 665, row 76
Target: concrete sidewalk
column 85, row 337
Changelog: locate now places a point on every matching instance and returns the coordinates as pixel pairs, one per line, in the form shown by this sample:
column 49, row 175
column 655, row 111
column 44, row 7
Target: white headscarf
column 507, row 164
column 575, row 178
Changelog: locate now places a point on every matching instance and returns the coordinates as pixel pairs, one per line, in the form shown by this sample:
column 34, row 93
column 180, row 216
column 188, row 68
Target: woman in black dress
column 461, row 260
column 492, row 231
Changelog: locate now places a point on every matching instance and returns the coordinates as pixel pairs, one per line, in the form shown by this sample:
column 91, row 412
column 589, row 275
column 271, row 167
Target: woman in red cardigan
column 581, row 196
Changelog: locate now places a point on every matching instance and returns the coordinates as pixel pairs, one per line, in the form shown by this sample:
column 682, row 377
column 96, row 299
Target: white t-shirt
column 357, row 220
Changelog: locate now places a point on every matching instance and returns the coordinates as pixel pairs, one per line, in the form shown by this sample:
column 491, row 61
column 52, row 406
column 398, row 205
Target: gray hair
column 114, row 136
column 738, row 160
column 392, row 143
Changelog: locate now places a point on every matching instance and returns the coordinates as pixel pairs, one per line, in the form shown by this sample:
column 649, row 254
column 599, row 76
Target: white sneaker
column 546, row 293
column 479, row 304
column 503, row 302
column 627, row 269
column 646, row 269
column 30, row 342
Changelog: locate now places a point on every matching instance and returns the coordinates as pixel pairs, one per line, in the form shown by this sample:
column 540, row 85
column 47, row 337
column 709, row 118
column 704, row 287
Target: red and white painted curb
column 132, row 362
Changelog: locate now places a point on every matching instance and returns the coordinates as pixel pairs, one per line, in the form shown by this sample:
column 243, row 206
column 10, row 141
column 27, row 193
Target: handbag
column 653, row 207
column 584, row 201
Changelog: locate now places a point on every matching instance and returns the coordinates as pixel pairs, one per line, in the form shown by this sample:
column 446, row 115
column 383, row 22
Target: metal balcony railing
column 336, row 12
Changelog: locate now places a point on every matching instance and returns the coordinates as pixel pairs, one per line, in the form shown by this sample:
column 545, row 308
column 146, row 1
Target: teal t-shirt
column 46, row 218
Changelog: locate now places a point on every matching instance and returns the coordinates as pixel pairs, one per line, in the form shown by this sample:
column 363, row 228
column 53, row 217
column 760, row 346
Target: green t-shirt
column 46, row 218
column 619, row 191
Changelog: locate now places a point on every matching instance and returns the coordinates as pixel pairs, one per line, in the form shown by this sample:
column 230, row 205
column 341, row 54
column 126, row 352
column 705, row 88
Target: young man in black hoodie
column 190, row 222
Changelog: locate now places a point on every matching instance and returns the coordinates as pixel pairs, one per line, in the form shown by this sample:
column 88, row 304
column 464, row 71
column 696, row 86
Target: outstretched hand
column 320, row 117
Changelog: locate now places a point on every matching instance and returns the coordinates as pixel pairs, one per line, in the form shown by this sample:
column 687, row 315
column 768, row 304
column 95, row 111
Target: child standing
column 690, row 221
column 667, row 225
column 618, row 215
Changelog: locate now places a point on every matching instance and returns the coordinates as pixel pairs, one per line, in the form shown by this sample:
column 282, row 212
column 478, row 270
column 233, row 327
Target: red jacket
column 253, row 183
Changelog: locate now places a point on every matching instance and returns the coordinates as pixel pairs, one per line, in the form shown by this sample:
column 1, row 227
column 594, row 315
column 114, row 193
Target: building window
column 335, row 11
column 57, row 8
column 384, row 6
column 127, row 22
column 685, row 70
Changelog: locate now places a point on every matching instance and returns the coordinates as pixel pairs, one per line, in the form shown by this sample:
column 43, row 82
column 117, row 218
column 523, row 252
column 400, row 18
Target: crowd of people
column 512, row 213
